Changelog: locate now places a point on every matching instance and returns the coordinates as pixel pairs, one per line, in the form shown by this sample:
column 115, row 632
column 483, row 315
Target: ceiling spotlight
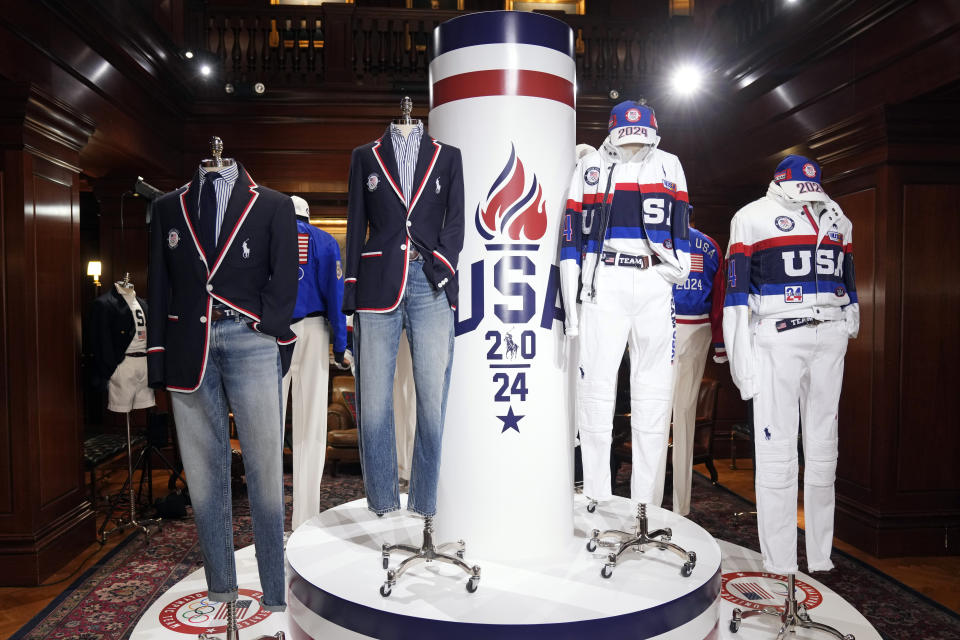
column 687, row 80
column 614, row 94
column 188, row 54
column 205, row 70
column 259, row 88
column 228, row 88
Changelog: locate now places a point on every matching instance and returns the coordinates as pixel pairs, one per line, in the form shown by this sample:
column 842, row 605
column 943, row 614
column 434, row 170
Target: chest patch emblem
column 246, row 249
column 592, row 176
column 437, row 190
column 373, row 181
column 173, row 238
column 784, row 223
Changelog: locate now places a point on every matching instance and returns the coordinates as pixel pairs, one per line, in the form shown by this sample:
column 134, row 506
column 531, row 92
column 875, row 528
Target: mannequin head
column 633, row 123
column 799, row 178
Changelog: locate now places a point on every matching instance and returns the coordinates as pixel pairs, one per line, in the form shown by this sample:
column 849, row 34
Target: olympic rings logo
column 198, row 611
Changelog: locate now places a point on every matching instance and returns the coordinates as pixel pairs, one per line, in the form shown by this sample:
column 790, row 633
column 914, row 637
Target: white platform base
column 337, row 571
column 512, row 594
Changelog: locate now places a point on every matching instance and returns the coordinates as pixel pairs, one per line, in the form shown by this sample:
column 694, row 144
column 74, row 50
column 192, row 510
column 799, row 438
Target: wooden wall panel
column 54, row 232
column 856, row 420
column 6, row 435
column 929, row 426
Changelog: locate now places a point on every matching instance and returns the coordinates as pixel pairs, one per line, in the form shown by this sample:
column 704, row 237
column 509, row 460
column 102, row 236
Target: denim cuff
column 223, row 596
column 412, row 509
column 381, row 512
column 276, row 608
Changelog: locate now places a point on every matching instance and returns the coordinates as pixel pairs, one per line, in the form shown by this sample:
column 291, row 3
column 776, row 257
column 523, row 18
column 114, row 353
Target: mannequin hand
column 343, row 359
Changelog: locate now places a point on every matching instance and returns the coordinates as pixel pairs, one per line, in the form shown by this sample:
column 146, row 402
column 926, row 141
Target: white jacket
column 648, row 215
column 786, row 259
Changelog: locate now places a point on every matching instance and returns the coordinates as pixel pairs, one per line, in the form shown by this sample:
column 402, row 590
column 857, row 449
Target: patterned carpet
column 108, row 599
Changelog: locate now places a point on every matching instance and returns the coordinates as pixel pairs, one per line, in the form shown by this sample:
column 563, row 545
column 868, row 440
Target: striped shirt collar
column 405, row 150
column 223, row 187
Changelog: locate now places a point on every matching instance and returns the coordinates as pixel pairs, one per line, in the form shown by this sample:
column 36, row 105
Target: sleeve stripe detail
column 346, row 280
column 573, row 205
column 445, row 261
column 156, row 349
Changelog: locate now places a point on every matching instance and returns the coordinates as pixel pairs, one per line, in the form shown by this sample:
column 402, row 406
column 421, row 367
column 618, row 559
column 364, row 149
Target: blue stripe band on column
column 501, row 27
column 387, row 625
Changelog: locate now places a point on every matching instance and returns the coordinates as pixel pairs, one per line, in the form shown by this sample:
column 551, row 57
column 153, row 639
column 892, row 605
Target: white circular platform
column 336, row 573
column 178, row 613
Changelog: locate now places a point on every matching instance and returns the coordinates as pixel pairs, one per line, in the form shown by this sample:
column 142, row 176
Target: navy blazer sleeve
column 279, row 296
column 356, row 232
column 158, row 296
column 450, row 239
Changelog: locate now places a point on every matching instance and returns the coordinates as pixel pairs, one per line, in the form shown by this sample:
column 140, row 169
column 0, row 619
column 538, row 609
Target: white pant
column 693, row 342
column 308, row 374
column 800, row 375
column 404, row 408
column 127, row 389
column 635, row 308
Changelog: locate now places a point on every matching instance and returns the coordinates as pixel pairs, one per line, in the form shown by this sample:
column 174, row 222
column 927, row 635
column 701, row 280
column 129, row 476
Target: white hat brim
column 636, row 135
column 804, row 190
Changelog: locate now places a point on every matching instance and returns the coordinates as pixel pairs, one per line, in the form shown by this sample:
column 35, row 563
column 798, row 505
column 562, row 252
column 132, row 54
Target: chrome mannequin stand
column 639, row 541
column 233, row 631
column 792, row 616
column 427, row 552
column 123, row 525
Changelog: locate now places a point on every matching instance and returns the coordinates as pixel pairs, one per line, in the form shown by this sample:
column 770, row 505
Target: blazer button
column 409, row 223
column 203, row 319
column 403, row 247
column 209, row 287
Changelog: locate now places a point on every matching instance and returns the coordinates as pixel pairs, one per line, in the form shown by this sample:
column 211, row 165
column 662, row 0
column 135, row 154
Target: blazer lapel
column 383, row 151
column 242, row 197
column 189, row 203
column 426, row 159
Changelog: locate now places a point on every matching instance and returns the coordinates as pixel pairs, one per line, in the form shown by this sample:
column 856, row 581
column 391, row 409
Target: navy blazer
column 376, row 267
column 254, row 271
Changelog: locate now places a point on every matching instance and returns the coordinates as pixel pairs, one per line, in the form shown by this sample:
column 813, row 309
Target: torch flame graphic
column 508, row 210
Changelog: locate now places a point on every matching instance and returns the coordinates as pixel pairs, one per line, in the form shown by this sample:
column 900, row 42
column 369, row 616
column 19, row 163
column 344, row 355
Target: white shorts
column 128, row 388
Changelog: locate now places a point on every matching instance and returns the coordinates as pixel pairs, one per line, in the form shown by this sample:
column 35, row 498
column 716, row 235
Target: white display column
column 502, row 89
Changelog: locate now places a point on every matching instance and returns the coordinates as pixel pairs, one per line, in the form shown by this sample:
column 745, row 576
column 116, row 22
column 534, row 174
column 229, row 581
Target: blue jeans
column 428, row 319
column 242, row 373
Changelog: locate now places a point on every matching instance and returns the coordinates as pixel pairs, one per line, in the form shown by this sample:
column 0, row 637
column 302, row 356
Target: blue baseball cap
column 632, row 122
column 800, row 178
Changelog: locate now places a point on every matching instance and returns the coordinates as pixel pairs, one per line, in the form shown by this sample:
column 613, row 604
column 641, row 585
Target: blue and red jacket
column 699, row 300
column 320, row 291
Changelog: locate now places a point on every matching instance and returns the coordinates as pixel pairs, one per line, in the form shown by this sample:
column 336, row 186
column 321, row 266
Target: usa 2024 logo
column 512, row 221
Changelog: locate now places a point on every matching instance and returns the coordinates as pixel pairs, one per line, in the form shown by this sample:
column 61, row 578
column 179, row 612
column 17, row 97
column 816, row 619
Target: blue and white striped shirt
column 406, row 150
column 223, row 187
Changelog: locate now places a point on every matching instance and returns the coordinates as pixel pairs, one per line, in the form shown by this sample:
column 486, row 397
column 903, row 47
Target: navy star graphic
column 510, row 421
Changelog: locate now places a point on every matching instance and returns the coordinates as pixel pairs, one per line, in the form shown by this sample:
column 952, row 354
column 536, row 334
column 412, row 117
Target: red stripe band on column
column 503, row 82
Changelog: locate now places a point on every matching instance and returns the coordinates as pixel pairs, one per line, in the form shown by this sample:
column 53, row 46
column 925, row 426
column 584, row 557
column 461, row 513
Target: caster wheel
column 686, row 569
column 692, row 557
column 386, row 562
column 591, row 507
column 591, row 545
column 607, row 571
column 734, row 626
column 385, row 590
column 473, row 584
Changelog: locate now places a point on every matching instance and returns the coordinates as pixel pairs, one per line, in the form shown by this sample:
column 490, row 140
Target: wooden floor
column 936, row 577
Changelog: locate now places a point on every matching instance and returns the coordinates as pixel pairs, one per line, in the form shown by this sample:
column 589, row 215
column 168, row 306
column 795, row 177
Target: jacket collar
column 619, row 154
column 242, row 197
column 426, row 158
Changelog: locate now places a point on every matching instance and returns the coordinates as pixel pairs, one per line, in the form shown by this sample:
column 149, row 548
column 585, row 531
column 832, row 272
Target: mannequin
column 699, row 310
column 625, row 245
column 406, row 191
column 317, row 317
column 786, row 328
column 223, row 285
column 119, row 327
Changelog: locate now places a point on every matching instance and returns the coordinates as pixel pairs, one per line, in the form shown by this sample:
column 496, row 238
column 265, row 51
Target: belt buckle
column 216, row 314
column 815, row 321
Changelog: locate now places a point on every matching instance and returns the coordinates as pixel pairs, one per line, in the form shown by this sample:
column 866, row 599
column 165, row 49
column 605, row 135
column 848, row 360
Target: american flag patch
column 303, row 241
column 696, row 264
column 752, row 591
